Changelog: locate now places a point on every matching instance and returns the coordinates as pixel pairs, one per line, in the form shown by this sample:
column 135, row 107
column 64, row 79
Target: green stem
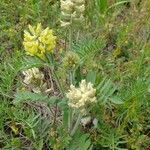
column 70, row 119
column 55, row 75
column 70, row 38
column 76, row 125
column 70, row 35
column 77, row 36
column 71, row 76
column 58, row 82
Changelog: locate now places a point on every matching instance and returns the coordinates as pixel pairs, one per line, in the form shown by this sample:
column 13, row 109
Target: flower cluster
column 39, row 41
column 71, row 60
column 34, row 78
column 80, row 97
column 72, row 11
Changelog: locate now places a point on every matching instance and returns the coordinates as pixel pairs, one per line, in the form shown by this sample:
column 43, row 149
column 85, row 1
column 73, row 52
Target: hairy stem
column 51, row 60
column 58, row 82
column 76, row 125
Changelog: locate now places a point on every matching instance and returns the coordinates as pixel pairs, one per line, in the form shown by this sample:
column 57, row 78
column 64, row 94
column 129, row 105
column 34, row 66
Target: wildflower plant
column 92, row 95
column 79, row 100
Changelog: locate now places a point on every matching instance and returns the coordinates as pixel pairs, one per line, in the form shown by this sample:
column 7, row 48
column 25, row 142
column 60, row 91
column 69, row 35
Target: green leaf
column 116, row 100
column 105, row 90
column 81, row 142
column 39, row 145
column 102, row 5
column 91, row 77
column 88, row 47
column 29, row 96
column 117, row 4
column 32, row 62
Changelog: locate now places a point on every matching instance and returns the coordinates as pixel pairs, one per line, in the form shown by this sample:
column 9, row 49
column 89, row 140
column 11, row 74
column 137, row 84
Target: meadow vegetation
column 74, row 74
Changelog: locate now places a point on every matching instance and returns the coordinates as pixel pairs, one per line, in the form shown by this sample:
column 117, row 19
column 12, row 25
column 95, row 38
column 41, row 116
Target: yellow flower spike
column 39, row 41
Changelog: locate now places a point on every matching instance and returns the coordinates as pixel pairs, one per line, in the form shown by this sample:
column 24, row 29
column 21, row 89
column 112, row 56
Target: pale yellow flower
column 80, row 97
column 34, row 79
column 32, row 74
column 67, row 6
column 72, row 10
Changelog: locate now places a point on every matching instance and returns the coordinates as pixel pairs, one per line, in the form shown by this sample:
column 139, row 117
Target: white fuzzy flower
column 72, row 10
column 67, row 6
column 80, row 97
column 32, row 74
column 34, row 78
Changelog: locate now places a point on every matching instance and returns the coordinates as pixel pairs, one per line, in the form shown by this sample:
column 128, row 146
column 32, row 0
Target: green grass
column 113, row 44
